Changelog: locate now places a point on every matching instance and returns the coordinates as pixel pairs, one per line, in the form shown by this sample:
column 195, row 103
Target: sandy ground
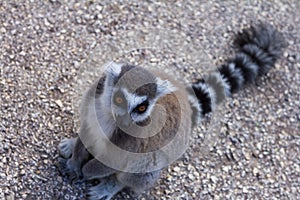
column 49, row 48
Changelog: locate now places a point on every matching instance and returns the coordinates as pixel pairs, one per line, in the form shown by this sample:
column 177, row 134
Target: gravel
column 50, row 50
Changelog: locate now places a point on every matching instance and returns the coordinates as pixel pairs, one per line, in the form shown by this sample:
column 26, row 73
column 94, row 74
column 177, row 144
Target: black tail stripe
column 203, row 98
column 248, row 68
column 232, row 80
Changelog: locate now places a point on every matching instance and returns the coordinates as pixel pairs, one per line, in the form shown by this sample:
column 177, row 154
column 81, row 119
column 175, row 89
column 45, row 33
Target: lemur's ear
column 112, row 72
column 164, row 87
column 113, row 69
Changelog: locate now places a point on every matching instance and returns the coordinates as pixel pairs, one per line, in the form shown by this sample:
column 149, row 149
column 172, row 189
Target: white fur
column 202, row 86
column 236, row 73
column 113, row 68
column 164, row 87
column 104, row 107
column 196, row 104
column 213, row 96
column 211, row 92
column 226, row 85
column 231, row 67
column 141, row 117
column 132, row 99
column 223, row 81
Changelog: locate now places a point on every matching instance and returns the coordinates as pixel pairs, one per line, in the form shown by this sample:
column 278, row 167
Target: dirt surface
column 46, row 48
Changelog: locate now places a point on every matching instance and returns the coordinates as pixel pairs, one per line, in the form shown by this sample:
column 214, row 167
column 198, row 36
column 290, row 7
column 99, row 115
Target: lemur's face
column 135, row 92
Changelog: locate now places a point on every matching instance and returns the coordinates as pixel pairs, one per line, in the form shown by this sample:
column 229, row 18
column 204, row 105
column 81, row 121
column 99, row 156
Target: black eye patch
column 141, row 108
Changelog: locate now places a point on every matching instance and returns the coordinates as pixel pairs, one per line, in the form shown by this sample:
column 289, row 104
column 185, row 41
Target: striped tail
column 257, row 50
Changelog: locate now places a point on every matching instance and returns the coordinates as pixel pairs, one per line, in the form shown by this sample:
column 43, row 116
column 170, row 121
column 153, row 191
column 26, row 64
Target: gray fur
column 258, row 49
column 105, row 190
column 78, row 162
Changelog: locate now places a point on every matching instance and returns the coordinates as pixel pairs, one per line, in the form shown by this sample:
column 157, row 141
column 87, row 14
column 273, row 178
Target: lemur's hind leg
column 74, row 155
column 66, row 148
column 94, row 169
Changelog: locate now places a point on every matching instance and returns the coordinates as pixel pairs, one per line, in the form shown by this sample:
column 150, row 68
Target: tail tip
column 264, row 36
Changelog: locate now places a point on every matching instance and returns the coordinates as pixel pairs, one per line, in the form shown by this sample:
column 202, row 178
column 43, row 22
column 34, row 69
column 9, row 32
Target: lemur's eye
column 119, row 100
column 142, row 108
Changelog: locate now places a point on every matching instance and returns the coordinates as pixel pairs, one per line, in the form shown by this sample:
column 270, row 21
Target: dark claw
column 65, row 171
column 62, row 166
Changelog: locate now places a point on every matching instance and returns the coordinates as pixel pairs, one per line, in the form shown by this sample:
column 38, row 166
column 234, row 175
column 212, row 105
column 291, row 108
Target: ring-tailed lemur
column 134, row 122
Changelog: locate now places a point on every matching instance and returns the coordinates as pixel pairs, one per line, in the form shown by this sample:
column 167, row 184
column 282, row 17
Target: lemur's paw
column 62, row 166
column 65, row 170
column 99, row 192
column 105, row 190
column 66, row 147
